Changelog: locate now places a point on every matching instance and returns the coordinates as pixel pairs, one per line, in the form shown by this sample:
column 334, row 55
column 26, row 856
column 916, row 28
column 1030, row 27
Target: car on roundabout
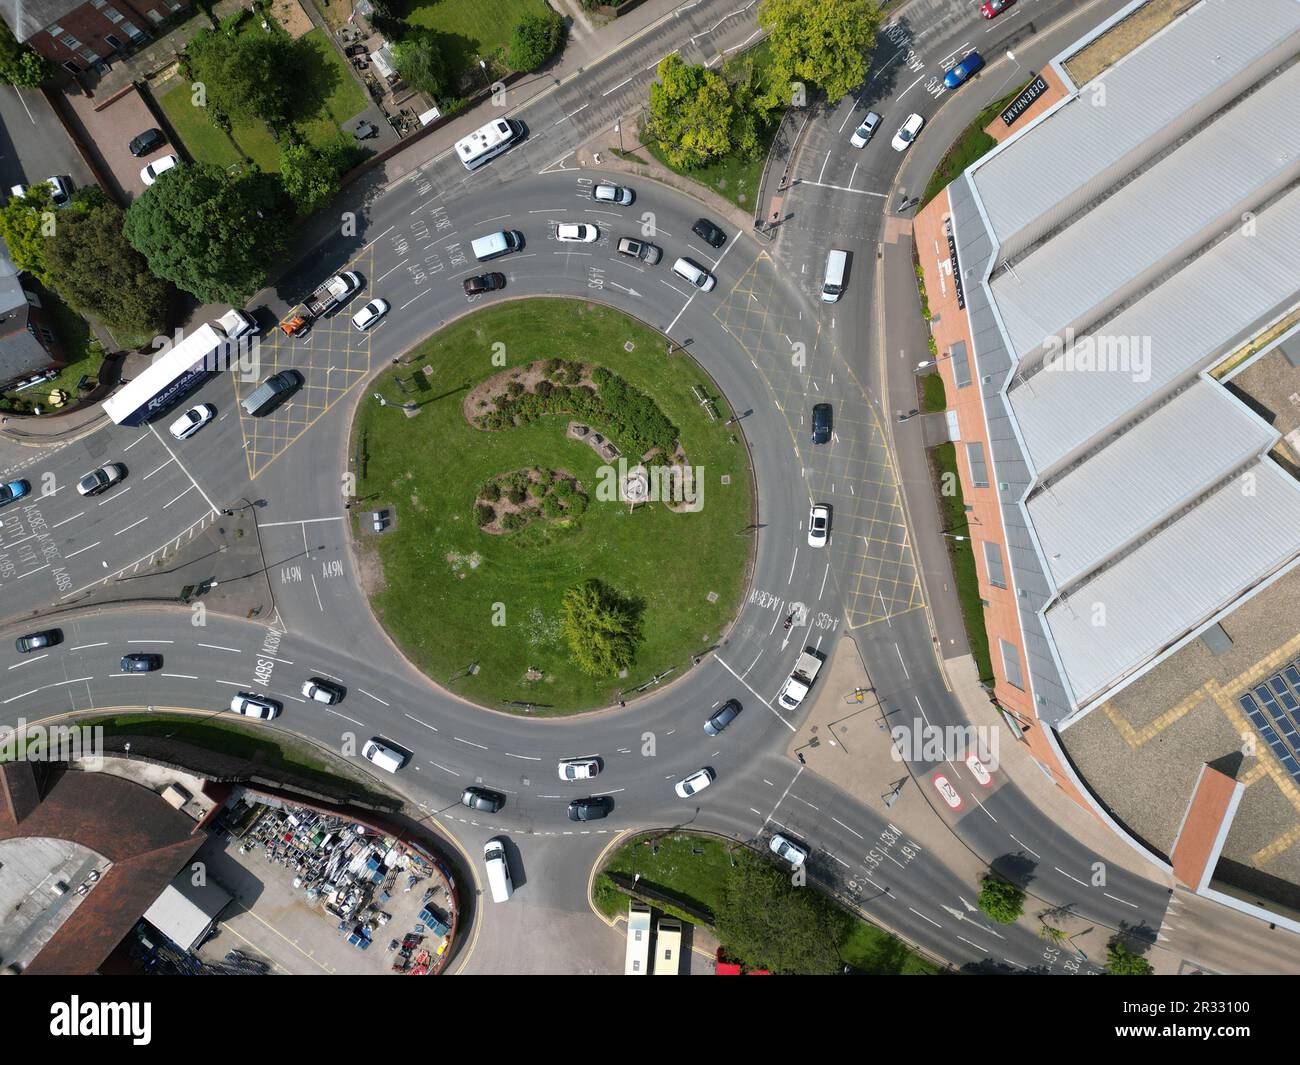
column 141, row 662
column 648, row 253
column 475, row 286
column 722, row 717
column 576, row 233
column 12, row 491
column 578, row 768
column 590, row 809
column 907, row 133
column 695, row 783
column 38, row 641
column 608, row 192
column 819, row 525
column 192, row 421
column 370, row 314
column 101, row 480
column 484, row 800
column 322, row 691
column 787, row 850
column 866, row 131
column 709, row 233
column 258, row 706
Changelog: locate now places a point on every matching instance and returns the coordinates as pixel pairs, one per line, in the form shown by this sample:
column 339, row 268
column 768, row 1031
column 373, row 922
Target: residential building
column 79, row 34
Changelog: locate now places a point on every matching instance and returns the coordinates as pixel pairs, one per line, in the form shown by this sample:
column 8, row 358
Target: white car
column 322, row 691
column 370, row 314
column 607, row 192
column 578, row 768
column 819, row 524
column 695, row 274
column 865, row 131
column 787, row 850
column 153, row 171
column 251, row 705
column 907, row 132
column 576, row 233
column 695, row 783
column 192, row 421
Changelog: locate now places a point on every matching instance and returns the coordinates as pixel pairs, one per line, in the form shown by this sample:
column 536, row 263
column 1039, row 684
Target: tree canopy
column 1001, row 901
column 421, row 63
column 602, row 629
column 535, row 40
column 690, row 113
column 311, row 174
column 210, row 234
column 249, row 76
column 827, row 45
column 25, row 222
column 767, row 921
column 1120, row 961
column 19, row 64
column 96, row 271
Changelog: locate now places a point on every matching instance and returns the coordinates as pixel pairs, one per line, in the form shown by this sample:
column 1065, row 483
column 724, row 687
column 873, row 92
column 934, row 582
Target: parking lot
column 108, row 132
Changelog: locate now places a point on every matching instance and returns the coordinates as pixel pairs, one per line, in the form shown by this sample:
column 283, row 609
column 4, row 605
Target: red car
column 993, row 8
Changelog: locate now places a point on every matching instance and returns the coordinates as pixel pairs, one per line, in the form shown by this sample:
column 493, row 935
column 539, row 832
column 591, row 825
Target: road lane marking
column 132, row 526
column 184, row 493
column 218, row 647
column 470, row 743
column 83, row 646
column 374, row 697
column 74, row 554
column 755, row 694
column 65, row 521
column 179, row 463
column 31, row 571
column 29, row 661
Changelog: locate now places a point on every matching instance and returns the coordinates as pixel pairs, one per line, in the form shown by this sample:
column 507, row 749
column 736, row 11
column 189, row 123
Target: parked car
column 907, row 133
column 607, row 192
column 13, row 490
column 38, row 641
column 102, row 479
column 695, row 783
column 689, row 270
column 592, row 809
column 484, row 800
column 821, row 423
column 579, row 768
column 972, row 64
column 60, row 189
column 576, row 233
column 251, row 705
column 148, row 141
column 993, row 8
column 141, row 662
column 787, row 850
column 484, row 283
column 639, row 249
column 153, row 171
column 722, row 717
column 865, row 131
column 17, row 191
column 819, row 526
column 192, row 421
column 709, row 233
column 322, row 691
column 370, row 314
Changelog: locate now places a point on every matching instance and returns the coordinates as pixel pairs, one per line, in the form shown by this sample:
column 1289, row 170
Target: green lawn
column 732, row 177
column 342, row 97
column 470, row 29
column 443, row 576
column 699, row 880
column 971, row 145
column 952, row 513
column 205, row 142
column 935, row 399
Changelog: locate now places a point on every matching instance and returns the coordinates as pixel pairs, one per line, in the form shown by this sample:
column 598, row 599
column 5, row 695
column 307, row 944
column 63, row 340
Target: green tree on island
column 690, row 113
column 827, row 45
column 211, row 234
column 1120, row 961
column 602, row 630
column 766, row 920
column 1001, row 901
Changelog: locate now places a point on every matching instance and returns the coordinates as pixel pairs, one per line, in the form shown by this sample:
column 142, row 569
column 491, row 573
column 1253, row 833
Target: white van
column 695, row 274
column 833, row 287
column 498, row 870
column 384, row 757
column 496, row 244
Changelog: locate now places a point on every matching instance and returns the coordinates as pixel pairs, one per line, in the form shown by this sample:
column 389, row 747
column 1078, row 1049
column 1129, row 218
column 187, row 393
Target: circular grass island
column 571, row 512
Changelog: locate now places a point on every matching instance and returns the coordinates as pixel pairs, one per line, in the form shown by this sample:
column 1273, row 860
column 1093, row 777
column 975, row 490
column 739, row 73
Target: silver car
column 607, row 192
column 101, row 480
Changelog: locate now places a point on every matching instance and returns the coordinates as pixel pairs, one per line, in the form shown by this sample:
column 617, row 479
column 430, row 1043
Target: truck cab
column 801, row 678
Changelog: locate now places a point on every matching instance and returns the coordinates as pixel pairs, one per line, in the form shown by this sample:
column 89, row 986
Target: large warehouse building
column 1131, row 245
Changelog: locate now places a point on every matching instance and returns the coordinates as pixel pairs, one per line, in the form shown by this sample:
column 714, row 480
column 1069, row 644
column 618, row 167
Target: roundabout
column 505, row 502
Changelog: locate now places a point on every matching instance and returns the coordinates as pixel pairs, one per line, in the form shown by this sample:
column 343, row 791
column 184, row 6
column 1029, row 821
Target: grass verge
column 952, row 515
column 470, row 29
column 450, row 594
column 695, row 869
column 933, row 397
column 971, row 145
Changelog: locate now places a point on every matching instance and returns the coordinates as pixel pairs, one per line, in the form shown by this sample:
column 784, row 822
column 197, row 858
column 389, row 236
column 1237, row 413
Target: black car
column 821, row 423
column 483, row 799
column 709, row 233
column 592, row 809
column 725, row 715
column 148, row 141
column 484, row 283
column 36, row 641
column 138, row 662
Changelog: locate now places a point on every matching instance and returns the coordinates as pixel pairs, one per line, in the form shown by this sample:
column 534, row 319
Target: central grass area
column 443, row 577
column 470, row 29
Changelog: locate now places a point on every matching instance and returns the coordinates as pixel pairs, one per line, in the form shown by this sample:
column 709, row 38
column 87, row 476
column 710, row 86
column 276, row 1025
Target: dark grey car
column 483, row 800
column 725, row 715
column 36, row 641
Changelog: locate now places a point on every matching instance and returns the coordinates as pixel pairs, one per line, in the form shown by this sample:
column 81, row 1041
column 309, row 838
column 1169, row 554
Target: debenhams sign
column 1021, row 103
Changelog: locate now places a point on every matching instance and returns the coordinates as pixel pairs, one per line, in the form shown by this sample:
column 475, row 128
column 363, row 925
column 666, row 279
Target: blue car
column 972, row 64
column 13, row 490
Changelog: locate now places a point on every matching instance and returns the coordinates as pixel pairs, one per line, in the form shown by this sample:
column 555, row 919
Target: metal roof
column 1250, row 149
column 1144, row 476
column 1149, row 95
column 1177, row 580
column 185, row 910
column 1197, row 315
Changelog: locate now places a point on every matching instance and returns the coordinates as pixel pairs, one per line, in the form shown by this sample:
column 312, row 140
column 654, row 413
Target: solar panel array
column 1279, row 720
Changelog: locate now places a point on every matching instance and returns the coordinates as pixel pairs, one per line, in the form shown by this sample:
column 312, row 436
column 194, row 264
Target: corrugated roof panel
column 1145, row 93
column 1176, row 580
column 1144, row 476
column 1184, row 324
column 1082, row 268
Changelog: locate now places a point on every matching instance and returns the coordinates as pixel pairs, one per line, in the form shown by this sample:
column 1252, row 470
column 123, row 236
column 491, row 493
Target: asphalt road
column 33, row 145
column 411, row 246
